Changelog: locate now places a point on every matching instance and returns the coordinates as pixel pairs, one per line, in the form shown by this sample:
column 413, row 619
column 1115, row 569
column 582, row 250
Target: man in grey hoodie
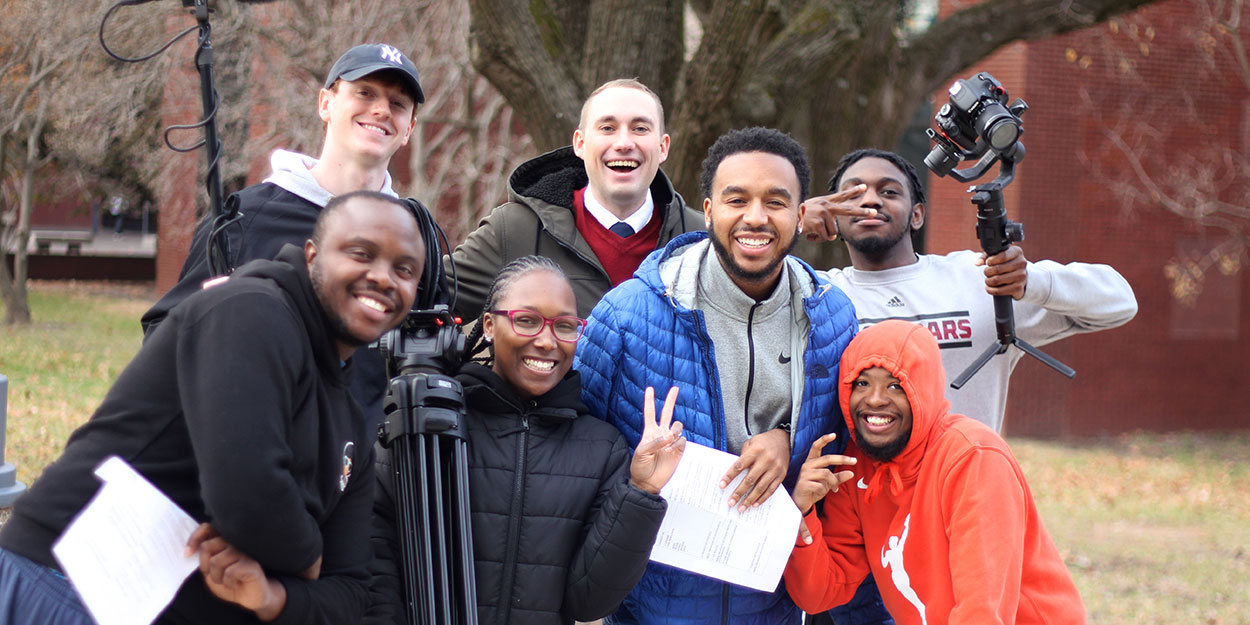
column 369, row 106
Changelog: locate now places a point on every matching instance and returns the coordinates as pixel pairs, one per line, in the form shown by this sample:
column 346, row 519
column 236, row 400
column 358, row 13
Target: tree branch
column 974, row 33
column 736, row 35
column 509, row 47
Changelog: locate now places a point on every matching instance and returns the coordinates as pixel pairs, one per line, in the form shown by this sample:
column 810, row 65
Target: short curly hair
column 756, row 139
column 913, row 180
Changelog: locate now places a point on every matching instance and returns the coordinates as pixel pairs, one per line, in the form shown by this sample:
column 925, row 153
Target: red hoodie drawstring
column 875, row 484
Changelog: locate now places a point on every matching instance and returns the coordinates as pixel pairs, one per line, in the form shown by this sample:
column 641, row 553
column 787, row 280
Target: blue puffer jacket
column 645, row 333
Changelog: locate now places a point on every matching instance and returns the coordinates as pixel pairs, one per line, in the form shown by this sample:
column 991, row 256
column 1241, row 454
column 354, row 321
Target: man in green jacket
column 597, row 207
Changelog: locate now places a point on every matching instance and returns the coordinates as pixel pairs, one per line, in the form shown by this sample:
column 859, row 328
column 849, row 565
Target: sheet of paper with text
column 702, row 534
column 124, row 551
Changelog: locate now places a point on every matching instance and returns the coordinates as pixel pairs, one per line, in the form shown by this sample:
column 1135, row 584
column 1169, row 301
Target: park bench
column 73, row 240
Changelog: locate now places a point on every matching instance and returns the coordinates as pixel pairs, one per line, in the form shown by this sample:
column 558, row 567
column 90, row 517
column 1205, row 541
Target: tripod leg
column 467, row 582
column 1049, row 360
column 991, row 351
column 437, row 515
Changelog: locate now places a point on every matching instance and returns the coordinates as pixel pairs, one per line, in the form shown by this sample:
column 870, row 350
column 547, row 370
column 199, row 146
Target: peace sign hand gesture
column 661, row 446
column 817, row 479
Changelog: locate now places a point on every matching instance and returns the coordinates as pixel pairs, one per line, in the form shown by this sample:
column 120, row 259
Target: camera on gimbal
column 427, row 439
column 977, row 123
column 976, row 119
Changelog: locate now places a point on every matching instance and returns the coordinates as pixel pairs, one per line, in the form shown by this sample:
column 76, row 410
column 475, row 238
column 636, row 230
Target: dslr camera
column 977, row 119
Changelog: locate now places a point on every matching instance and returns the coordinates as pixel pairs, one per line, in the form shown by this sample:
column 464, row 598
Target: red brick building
column 1131, row 122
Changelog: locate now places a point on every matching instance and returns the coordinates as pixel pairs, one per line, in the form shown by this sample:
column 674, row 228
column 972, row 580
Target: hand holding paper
column 702, row 533
column 764, row 458
column 124, row 552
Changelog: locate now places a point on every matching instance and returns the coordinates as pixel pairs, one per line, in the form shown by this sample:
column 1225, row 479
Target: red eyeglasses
column 566, row 328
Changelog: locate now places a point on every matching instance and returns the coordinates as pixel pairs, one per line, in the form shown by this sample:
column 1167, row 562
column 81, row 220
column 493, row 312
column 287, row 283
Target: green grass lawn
column 1155, row 528
column 60, row 366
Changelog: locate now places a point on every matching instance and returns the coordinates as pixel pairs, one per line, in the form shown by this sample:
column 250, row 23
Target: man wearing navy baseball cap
column 369, row 107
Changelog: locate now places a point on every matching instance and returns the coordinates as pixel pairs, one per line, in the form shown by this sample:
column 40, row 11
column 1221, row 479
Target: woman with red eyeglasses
column 563, row 519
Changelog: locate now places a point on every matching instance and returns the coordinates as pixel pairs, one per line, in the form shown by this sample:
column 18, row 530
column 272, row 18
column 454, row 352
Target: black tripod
column 996, row 234
column 425, row 431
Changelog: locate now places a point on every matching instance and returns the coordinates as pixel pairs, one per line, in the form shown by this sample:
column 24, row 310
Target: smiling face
column 368, row 119
column 532, row 365
column 881, row 412
column 883, row 241
column 753, row 216
column 365, row 269
column 621, row 139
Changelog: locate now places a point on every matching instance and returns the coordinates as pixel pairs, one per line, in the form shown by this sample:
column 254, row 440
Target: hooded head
column 909, row 356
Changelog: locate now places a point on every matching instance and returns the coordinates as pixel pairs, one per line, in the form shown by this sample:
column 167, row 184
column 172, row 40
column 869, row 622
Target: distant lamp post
column 10, row 488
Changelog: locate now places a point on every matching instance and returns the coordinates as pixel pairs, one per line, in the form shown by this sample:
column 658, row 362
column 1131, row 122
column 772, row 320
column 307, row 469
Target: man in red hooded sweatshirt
column 939, row 511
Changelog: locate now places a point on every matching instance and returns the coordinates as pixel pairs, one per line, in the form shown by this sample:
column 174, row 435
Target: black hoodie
column 558, row 532
column 237, row 408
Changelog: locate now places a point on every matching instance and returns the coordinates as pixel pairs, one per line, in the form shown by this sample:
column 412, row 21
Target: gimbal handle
column 996, row 233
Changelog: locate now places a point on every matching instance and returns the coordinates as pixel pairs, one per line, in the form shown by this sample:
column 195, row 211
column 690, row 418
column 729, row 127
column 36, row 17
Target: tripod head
column 977, row 124
column 421, row 354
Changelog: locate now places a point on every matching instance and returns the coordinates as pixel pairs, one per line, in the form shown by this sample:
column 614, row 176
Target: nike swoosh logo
column 862, row 484
column 783, row 359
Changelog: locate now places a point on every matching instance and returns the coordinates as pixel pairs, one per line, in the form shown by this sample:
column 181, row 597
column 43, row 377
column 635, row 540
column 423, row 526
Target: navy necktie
column 621, row 229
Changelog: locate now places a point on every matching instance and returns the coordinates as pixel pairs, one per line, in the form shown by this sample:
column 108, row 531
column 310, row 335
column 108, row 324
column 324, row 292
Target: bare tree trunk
column 6, row 280
column 17, row 308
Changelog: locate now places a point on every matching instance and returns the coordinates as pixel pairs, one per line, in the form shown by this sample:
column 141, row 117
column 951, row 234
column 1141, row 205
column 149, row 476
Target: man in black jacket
column 369, row 105
column 237, row 408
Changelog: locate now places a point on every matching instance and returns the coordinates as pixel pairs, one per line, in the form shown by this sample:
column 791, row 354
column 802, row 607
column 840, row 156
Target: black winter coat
column 558, row 532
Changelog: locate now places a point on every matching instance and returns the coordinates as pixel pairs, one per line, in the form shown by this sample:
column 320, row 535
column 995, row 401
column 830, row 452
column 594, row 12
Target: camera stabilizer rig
column 425, row 431
column 977, row 124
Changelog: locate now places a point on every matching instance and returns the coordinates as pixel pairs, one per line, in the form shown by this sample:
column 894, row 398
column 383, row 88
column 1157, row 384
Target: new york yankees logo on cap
column 392, row 54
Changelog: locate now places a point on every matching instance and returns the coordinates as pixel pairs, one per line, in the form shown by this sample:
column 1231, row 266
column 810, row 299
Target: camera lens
column 1002, row 134
column 998, row 126
column 939, row 161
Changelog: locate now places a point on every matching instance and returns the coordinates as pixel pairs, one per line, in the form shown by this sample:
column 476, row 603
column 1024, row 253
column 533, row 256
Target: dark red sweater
column 620, row 257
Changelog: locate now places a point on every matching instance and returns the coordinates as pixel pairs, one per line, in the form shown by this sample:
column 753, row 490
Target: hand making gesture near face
column 816, row 480
column 819, row 220
column 661, row 446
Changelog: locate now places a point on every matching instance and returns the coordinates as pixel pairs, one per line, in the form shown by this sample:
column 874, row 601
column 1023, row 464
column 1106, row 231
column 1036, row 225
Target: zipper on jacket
column 713, row 376
column 746, row 405
column 724, row 605
column 514, row 524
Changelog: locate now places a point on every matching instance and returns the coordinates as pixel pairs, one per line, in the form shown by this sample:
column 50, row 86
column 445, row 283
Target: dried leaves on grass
column 1155, row 528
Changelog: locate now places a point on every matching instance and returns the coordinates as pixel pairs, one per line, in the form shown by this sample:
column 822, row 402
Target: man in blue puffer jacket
column 764, row 388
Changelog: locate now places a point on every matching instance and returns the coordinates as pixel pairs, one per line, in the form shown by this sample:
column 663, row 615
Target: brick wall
column 1145, row 99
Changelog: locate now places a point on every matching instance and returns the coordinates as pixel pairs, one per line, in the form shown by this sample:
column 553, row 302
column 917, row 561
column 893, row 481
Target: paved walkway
column 102, row 243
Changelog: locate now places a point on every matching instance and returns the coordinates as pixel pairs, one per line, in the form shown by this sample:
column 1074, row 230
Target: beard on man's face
column 876, row 245
column 886, row 452
column 738, row 271
column 338, row 328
